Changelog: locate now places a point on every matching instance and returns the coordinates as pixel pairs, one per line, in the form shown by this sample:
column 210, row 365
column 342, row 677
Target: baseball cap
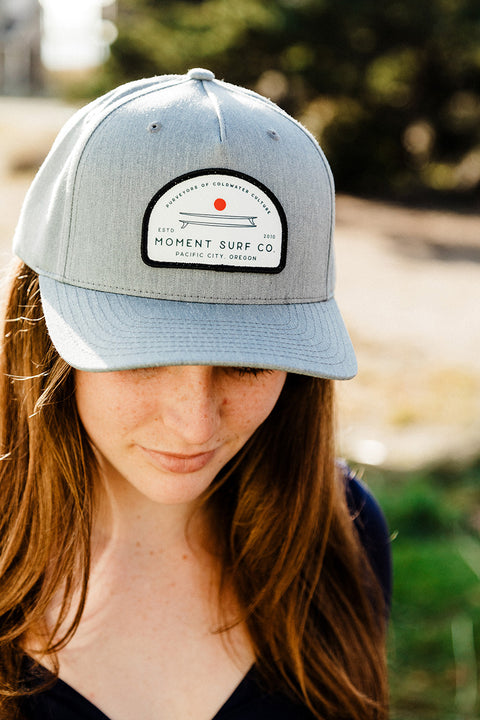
column 182, row 220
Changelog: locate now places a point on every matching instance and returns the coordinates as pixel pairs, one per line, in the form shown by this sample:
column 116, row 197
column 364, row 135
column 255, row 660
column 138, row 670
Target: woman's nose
column 191, row 406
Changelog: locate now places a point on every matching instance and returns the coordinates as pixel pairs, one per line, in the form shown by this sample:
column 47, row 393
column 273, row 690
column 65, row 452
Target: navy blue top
column 248, row 701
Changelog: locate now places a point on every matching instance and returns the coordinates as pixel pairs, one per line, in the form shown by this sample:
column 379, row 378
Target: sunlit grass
column 434, row 652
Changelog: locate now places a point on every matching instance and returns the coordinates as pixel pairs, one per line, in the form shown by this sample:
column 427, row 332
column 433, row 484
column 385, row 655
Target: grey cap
column 184, row 220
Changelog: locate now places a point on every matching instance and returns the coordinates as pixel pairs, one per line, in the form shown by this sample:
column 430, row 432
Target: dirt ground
column 409, row 287
column 408, row 284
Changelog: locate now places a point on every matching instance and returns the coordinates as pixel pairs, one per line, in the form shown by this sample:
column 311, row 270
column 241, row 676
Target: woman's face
column 166, row 432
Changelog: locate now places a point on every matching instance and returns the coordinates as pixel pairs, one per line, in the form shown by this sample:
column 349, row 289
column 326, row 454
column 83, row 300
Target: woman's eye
column 254, row 372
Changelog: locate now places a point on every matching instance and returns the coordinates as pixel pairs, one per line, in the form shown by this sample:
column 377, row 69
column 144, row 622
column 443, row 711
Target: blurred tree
column 392, row 89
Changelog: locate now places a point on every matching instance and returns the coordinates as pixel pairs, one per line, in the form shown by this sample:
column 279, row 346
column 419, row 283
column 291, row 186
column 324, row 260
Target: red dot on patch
column 220, row 204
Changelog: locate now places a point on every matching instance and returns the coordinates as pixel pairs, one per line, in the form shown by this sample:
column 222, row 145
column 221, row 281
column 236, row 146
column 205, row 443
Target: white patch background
column 187, row 225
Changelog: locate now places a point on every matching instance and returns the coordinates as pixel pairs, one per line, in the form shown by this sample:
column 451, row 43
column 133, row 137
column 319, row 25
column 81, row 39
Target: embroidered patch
column 215, row 219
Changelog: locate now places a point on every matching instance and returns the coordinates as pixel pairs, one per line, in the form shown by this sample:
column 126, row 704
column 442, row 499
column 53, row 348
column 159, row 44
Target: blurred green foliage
column 434, row 654
column 391, row 89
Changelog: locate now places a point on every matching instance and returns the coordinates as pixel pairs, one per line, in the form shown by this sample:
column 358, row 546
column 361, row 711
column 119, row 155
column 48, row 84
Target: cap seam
column 215, row 104
column 134, row 292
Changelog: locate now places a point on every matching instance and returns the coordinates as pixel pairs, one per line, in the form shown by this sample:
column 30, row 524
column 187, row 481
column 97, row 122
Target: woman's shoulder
column 371, row 527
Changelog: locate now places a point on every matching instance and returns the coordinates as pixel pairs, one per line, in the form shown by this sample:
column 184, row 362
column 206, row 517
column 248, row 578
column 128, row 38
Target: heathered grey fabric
column 82, row 220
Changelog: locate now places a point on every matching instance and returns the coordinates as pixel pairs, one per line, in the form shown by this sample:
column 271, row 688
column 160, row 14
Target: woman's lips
column 181, row 464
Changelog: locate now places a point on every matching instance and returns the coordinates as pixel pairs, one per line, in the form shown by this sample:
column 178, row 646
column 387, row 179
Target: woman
column 177, row 540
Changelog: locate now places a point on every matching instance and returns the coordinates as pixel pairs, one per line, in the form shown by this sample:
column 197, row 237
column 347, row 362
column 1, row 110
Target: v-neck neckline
column 89, row 711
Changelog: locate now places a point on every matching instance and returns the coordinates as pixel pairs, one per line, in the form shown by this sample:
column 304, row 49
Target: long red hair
column 288, row 545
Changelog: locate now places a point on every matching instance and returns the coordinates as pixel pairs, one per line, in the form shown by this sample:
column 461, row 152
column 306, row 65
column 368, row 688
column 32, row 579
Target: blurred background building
column 20, row 41
column 76, row 35
column 41, row 38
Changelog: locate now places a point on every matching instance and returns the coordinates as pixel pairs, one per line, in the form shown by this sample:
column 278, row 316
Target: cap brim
column 100, row 331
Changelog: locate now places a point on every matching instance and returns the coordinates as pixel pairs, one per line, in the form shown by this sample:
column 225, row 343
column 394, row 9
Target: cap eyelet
column 154, row 127
column 273, row 134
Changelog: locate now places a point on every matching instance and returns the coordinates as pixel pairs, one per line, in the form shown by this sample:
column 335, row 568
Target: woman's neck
column 127, row 520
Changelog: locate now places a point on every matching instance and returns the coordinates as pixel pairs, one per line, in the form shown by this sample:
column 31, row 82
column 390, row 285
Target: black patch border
column 202, row 266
